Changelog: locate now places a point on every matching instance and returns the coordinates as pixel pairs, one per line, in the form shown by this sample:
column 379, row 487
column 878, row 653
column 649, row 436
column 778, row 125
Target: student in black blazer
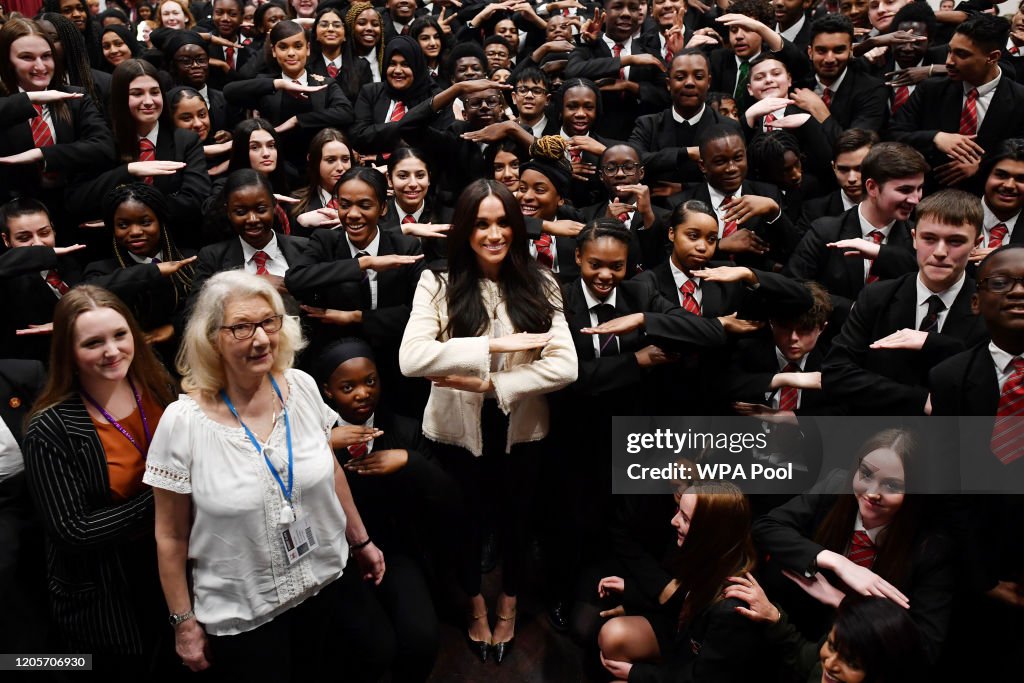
column 74, row 138
column 631, row 204
column 899, row 329
column 866, row 531
column 413, row 208
column 227, row 20
column 1003, row 200
column 638, row 77
column 326, row 40
column 850, row 149
column 86, row 481
column 330, row 155
column 149, row 148
column 893, row 180
column 931, row 119
column 696, row 385
column 369, row 296
column 380, row 106
column 668, row 140
column 22, row 567
column 297, row 109
column 754, row 229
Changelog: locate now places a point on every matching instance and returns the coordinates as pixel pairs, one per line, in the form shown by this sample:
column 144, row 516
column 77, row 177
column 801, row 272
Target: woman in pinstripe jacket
column 84, row 458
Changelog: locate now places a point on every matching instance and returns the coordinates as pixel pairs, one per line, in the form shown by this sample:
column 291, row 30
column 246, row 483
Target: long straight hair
column 146, row 371
column 315, row 156
column 717, row 546
column 126, row 128
column 528, row 293
column 239, row 156
column 19, row 27
column 896, row 540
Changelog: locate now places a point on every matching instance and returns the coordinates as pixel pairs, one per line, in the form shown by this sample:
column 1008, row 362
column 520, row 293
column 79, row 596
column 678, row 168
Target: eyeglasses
column 628, row 168
column 1000, row 284
column 202, row 60
column 480, row 102
column 243, row 331
column 527, row 90
column 330, row 24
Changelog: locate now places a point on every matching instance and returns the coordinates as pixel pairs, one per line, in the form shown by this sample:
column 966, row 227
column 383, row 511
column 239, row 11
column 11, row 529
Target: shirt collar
column 791, row 33
column 985, row 88
column 1001, row 358
column 342, row 422
column 717, row 197
column 847, row 202
column 947, row 297
column 990, row 219
column 336, row 62
column 872, row 533
column 415, row 214
column 626, row 44
column 783, row 361
column 865, row 225
column 836, row 85
column 372, row 248
column 146, row 259
column 693, row 120
column 594, row 301
column 680, row 277
column 204, row 92
column 272, row 250
column 301, row 79
column 153, row 134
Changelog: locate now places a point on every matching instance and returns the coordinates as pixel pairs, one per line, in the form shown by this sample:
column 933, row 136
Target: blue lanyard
column 287, row 491
column 118, row 426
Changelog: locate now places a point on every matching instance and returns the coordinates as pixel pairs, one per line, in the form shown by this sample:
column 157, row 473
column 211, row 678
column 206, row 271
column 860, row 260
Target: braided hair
column 76, row 57
column 348, row 49
column 89, row 35
column 156, row 201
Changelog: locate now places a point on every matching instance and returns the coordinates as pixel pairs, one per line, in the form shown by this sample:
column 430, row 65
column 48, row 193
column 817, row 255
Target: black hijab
column 422, row 83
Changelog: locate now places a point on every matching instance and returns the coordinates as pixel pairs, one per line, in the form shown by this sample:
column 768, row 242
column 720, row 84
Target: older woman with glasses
column 247, row 487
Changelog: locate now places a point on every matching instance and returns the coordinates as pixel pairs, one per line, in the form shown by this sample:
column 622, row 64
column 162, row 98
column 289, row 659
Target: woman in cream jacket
column 490, row 334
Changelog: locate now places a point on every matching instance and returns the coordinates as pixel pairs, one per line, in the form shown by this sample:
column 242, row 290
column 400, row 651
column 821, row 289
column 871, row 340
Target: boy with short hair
column 851, row 148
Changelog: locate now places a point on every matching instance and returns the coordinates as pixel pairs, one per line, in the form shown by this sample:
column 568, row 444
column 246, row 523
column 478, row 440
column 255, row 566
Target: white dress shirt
column 791, row 33
column 11, row 460
column 985, row 94
column 866, row 228
column 371, row 249
column 593, row 301
column 681, row 278
column 1003, row 362
column 990, row 221
column 276, row 263
column 627, row 49
column 717, row 199
column 947, row 297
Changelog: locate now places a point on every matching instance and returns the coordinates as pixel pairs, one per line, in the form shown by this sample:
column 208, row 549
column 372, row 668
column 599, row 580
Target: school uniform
column 592, row 190
column 241, row 56
column 327, row 108
column 231, row 254
column 832, row 205
column 725, row 68
column 647, row 246
column 894, row 381
column 150, row 295
column 350, row 87
column 815, row 143
column 755, row 363
column 185, row 189
column 373, row 132
column 844, row 276
column 435, row 249
column 222, row 115
column 662, row 140
column 596, row 61
column 858, row 101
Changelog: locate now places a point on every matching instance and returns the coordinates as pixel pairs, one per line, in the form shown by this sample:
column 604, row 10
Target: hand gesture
column 445, row 20
column 959, row 147
column 651, row 356
column 790, row 122
column 303, row 91
column 168, row 268
column 726, row 274
column 764, row 413
column 332, row 316
column 159, row 335
column 759, row 607
column 217, row 148
column 857, row 247
column 463, row 383
column 145, row 169
column 906, row 338
column 818, row 587
column 426, row 229
column 909, row 76
column 703, row 37
column 593, row 27
column 766, row 106
column 50, row 96
column 466, row 88
column 743, row 240
column 616, row 208
column 955, row 172
column 352, row 435
column 379, row 463
column 45, row 328
column 520, row 341
column 287, row 125
column 585, row 143
column 388, row 261
column 620, row 670
column 978, row 254
column 896, row 38
column 610, row 585
column 641, row 195
column 810, row 101
column 865, row 581
column 617, row 326
column 319, row 218
column 563, row 228
column 489, row 133
column 742, row 209
column 735, row 325
column 644, row 59
column 60, row 251
column 741, row 21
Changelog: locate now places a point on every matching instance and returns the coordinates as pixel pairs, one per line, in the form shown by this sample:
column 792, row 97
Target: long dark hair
column 400, row 155
column 157, row 203
column 315, row 49
column 239, row 157
column 12, row 30
column 315, row 156
column 896, row 541
column 90, row 35
column 717, row 546
column 879, row 638
column 126, row 133
column 420, row 24
column 526, row 290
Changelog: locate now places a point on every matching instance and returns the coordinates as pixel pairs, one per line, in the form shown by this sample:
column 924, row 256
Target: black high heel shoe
column 481, row 648
column 502, row 649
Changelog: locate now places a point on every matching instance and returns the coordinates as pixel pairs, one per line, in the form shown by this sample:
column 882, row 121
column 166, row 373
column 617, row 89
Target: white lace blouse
column 241, row 577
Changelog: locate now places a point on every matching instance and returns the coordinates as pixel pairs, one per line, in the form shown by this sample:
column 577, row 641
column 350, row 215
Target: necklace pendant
column 287, row 515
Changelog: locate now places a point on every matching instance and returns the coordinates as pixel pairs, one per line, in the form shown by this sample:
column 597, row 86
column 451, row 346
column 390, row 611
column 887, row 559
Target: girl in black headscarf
column 380, row 106
column 117, row 43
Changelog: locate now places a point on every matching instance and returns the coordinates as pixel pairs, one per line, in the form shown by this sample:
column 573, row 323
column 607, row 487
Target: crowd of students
column 486, row 229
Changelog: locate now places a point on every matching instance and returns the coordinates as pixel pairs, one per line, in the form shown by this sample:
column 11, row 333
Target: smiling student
column 899, row 329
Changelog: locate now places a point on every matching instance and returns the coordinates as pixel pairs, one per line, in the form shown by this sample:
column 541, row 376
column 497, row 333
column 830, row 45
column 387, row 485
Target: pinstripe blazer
column 88, row 536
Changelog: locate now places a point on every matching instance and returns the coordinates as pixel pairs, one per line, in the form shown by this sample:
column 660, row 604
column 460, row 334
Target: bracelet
column 359, row 546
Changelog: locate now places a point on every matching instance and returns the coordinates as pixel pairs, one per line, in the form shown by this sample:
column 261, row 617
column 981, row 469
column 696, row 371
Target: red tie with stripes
column 617, row 52
column 789, row 396
column 826, row 97
column 260, row 259
column 768, row 121
column 996, row 235
column 1008, row 433
column 862, row 550
column 900, row 97
column 969, row 115
column 229, row 57
column 875, row 236
column 730, row 227
column 398, row 112
column 357, row 450
column 147, row 152
column 544, row 255
column 333, row 204
column 53, row 279
column 332, row 71
column 408, row 219
column 689, row 300
column 42, row 136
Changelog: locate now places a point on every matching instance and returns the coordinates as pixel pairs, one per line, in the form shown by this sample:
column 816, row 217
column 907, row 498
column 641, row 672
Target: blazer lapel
column 579, row 317
column 1001, row 102
column 902, row 311
column 666, row 283
column 981, row 385
column 960, row 320
column 854, row 267
column 712, row 299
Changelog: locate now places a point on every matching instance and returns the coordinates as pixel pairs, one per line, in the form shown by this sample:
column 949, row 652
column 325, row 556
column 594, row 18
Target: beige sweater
column 453, row 416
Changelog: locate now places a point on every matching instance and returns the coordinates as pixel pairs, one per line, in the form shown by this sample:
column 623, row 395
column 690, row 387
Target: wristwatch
column 177, row 619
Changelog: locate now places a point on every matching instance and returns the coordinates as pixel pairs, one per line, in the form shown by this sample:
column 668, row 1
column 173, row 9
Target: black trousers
column 23, row 623
column 505, row 481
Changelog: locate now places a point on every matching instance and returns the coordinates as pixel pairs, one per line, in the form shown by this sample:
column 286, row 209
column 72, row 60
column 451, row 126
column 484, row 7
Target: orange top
column 125, row 465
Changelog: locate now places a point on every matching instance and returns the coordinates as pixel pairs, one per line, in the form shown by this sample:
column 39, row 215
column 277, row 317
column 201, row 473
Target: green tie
column 741, row 81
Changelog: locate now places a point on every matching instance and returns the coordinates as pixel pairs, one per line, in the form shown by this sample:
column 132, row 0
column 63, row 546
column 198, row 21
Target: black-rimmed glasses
column 243, row 331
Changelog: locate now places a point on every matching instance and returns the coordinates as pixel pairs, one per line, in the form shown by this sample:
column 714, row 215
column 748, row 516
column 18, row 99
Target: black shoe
column 488, row 553
column 480, row 648
column 502, row 649
column 558, row 615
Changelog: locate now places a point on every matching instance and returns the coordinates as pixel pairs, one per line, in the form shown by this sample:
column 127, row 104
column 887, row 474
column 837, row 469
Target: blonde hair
column 199, row 360
column 190, row 21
